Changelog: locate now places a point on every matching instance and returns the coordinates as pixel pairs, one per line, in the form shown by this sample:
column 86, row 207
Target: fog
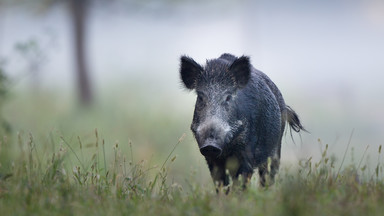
column 326, row 57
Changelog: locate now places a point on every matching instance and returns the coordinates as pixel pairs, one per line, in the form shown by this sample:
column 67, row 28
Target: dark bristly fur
column 239, row 117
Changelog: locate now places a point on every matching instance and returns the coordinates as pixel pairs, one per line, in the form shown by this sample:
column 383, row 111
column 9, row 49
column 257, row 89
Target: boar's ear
column 241, row 71
column 189, row 71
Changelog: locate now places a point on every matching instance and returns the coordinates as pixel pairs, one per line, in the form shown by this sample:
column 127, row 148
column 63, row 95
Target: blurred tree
column 78, row 11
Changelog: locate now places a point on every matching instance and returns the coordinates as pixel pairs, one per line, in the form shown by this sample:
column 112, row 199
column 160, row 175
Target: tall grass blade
column 345, row 154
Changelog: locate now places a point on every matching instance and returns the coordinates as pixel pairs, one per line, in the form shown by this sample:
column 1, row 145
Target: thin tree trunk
column 79, row 13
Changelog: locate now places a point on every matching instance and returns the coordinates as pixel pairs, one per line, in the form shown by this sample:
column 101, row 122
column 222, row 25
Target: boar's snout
column 211, row 136
column 210, row 150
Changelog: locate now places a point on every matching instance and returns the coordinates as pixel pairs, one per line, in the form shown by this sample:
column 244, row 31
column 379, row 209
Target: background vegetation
column 59, row 173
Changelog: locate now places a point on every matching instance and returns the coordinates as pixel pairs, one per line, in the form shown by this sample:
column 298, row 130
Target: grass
column 63, row 166
column 75, row 181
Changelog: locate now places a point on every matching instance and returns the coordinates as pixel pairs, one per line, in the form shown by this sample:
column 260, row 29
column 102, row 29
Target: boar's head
column 217, row 120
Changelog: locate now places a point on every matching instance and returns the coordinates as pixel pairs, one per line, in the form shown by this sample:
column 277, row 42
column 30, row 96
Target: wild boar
column 239, row 117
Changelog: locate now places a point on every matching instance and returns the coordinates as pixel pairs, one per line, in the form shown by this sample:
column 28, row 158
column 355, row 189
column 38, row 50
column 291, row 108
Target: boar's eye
column 227, row 101
column 201, row 100
column 228, row 98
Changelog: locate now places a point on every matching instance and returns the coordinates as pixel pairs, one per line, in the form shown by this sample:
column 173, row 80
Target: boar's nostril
column 210, row 151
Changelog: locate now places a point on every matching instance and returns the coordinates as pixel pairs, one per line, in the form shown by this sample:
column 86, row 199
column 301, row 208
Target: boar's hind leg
column 267, row 175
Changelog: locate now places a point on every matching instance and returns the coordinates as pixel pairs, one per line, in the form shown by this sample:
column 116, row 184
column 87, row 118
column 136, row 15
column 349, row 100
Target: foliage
column 4, row 126
column 3, row 80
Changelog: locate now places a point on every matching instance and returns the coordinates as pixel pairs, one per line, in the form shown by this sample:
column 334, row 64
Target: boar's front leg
column 224, row 169
column 217, row 169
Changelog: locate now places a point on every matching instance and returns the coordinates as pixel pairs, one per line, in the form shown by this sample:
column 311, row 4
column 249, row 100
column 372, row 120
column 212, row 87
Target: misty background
column 326, row 57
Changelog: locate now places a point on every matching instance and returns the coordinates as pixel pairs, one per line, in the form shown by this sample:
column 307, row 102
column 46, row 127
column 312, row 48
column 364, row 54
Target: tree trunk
column 78, row 10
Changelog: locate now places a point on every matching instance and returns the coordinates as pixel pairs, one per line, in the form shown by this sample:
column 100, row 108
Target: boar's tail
column 293, row 120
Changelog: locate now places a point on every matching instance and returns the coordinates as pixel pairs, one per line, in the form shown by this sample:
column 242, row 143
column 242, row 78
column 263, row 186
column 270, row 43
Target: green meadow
column 131, row 153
